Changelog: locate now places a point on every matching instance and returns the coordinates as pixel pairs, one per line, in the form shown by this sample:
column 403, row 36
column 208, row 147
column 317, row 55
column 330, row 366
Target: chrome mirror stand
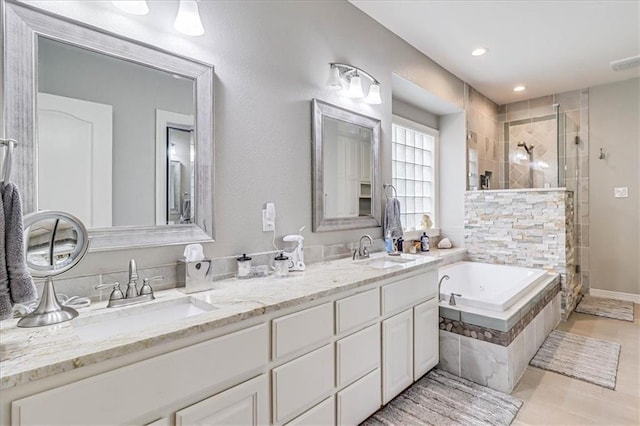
column 49, row 310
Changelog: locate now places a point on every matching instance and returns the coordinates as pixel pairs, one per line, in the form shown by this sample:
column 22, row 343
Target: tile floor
column 552, row 399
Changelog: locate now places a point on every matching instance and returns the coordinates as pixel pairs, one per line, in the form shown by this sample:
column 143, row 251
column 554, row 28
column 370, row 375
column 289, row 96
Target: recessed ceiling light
column 480, row 51
column 519, row 88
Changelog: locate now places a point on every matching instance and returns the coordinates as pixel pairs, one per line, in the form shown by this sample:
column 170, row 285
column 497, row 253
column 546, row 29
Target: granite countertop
column 28, row 354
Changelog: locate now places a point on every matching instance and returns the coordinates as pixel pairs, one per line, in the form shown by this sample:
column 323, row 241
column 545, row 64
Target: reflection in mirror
column 50, row 243
column 97, row 118
column 346, row 151
column 54, row 242
column 112, row 169
column 345, row 167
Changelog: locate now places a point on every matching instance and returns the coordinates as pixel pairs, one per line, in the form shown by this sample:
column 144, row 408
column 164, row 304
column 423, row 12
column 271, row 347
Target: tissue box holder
column 195, row 276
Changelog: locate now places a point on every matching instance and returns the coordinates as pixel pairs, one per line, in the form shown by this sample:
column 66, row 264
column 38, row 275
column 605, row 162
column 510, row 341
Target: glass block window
column 414, row 149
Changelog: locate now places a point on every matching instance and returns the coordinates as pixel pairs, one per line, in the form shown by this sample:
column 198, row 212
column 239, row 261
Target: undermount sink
column 386, row 262
column 135, row 318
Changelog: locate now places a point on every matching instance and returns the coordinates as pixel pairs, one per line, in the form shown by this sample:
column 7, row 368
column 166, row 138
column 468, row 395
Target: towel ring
column 10, row 144
column 386, row 194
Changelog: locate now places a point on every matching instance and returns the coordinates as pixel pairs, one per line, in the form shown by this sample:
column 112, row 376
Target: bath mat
column 609, row 308
column 584, row 358
column 440, row 398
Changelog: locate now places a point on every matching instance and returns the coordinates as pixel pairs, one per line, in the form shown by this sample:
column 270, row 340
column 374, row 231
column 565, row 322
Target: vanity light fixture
column 479, row 51
column 188, row 19
column 347, row 79
column 134, row 7
column 519, row 88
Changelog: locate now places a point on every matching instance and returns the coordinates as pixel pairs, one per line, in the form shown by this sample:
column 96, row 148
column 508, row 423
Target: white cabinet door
column 425, row 338
column 245, row 404
column 397, row 354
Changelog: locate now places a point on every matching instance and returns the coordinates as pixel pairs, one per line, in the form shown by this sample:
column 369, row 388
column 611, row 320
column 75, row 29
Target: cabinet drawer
column 408, row 292
column 357, row 310
column 125, row 394
column 357, row 354
column 245, row 404
column 322, row 414
column 306, row 329
column 360, row 400
column 302, row 382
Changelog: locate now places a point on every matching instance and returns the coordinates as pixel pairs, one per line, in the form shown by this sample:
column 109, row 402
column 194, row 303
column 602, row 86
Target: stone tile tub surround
column 32, row 354
column 472, row 345
column 533, row 228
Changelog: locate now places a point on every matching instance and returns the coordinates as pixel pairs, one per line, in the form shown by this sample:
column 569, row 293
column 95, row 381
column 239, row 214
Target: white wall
column 453, row 182
column 271, row 58
column 614, row 234
column 414, row 113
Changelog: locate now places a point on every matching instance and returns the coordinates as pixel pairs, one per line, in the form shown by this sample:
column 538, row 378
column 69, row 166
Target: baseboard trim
column 627, row 297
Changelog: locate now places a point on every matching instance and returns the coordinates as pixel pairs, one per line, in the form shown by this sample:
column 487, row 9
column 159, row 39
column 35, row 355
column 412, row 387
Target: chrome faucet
column 132, row 296
column 452, row 298
column 444, row 277
column 361, row 252
column 132, row 285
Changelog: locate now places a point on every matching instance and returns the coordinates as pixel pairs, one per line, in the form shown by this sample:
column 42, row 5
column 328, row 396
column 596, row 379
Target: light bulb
column 134, row 7
column 355, row 88
column 188, row 19
column 334, row 79
column 374, row 95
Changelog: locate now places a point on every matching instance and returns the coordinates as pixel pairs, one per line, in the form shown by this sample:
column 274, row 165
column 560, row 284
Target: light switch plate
column 621, row 192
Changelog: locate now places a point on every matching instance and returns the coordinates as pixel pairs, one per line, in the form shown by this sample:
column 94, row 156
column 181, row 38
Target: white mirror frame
column 23, row 25
column 320, row 110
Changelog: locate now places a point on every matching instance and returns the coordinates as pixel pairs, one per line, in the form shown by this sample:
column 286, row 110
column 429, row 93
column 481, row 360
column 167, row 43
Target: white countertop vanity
column 328, row 345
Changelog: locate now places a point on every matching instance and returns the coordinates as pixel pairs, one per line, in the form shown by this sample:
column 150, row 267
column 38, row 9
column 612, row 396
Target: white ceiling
column 549, row 46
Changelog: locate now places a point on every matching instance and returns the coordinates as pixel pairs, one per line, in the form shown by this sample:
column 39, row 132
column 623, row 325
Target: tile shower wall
column 483, row 150
column 572, row 151
column 531, row 227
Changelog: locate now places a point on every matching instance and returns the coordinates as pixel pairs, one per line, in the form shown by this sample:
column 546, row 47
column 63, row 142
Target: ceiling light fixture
column 188, row 19
column 347, row 79
column 134, row 7
column 479, row 51
column 519, row 88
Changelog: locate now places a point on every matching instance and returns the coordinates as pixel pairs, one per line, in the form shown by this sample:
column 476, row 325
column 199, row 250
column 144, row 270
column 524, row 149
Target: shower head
column 529, row 148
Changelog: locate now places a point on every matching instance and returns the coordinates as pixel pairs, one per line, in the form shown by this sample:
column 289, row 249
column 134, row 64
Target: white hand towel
column 392, row 218
column 21, row 286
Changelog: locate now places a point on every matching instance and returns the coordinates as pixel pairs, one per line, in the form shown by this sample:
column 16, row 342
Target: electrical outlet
column 621, row 192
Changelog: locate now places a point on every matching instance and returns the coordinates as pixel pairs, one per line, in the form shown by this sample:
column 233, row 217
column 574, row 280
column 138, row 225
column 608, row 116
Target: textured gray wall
column 271, row 58
column 614, row 227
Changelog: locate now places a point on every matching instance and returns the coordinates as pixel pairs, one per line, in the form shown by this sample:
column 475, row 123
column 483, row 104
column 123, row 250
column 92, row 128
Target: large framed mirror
column 117, row 133
column 345, row 169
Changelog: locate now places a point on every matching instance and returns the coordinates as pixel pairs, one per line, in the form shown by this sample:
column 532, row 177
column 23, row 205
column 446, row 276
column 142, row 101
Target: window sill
column 415, row 235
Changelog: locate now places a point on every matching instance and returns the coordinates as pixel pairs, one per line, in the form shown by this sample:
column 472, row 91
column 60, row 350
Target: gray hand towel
column 392, row 218
column 21, row 286
column 5, row 298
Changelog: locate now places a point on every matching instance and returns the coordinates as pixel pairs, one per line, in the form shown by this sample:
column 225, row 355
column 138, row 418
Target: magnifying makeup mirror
column 55, row 242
